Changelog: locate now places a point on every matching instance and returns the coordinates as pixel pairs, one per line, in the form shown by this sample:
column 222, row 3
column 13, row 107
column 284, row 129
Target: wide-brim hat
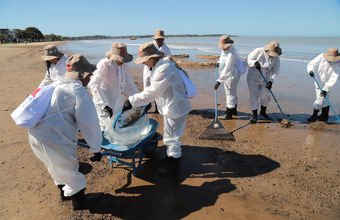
column 119, row 52
column 159, row 34
column 147, row 51
column 332, row 54
column 225, row 42
column 78, row 68
column 273, row 49
column 51, row 52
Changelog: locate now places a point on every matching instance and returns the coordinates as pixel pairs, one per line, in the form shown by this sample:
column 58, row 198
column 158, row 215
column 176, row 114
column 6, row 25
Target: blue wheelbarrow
column 115, row 153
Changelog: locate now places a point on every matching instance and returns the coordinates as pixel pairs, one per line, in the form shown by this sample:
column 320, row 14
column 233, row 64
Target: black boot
column 254, row 118
column 62, row 196
column 173, row 167
column 80, row 201
column 165, row 159
column 324, row 114
column 228, row 114
column 314, row 116
column 156, row 109
column 264, row 114
column 234, row 110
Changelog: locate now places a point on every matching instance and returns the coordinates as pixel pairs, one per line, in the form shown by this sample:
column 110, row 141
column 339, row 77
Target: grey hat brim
column 142, row 59
column 80, row 74
column 121, row 58
column 51, row 57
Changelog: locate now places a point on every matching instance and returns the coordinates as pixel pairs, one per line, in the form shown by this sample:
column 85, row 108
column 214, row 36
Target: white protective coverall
column 54, row 138
column 147, row 72
column 108, row 84
column 168, row 91
column 270, row 67
column 57, row 69
column 327, row 76
column 228, row 74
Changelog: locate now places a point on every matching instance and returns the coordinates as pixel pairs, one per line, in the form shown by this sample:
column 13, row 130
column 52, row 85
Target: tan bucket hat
column 119, row 52
column 78, row 68
column 332, row 54
column 146, row 51
column 159, row 34
column 51, row 52
column 273, row 49
column 225, row 42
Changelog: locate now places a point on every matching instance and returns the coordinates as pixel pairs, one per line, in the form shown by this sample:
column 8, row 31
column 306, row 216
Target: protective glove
column 217, row 64
column 257, row 65
column 108, row 110
column 311, row 73
column 269, row 85
column 217, row 84
column 127, row 106
column 97, row 157
column 147, row 108
column 323, row 93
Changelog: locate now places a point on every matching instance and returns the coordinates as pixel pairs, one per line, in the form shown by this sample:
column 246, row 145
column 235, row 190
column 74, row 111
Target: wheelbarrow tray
column 115, row 153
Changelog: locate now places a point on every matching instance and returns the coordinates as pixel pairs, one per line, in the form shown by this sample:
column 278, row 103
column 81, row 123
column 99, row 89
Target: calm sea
column 294, row 89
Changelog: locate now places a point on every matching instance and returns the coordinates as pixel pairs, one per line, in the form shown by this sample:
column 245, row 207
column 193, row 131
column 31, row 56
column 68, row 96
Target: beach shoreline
column 269, row 172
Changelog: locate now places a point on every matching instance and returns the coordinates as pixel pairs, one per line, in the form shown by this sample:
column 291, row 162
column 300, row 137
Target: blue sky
column 139, row 17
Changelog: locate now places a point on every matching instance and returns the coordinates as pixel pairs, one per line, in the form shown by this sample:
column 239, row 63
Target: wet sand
column 269, row 172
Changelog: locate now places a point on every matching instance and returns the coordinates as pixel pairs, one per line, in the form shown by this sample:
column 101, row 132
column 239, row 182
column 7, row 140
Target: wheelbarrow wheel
column 150, row 149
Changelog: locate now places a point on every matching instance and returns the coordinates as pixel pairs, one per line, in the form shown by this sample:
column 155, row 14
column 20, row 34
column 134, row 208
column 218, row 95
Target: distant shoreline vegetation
column 97, row 37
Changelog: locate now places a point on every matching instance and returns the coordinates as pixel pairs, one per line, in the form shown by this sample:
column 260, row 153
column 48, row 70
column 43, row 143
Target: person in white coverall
column 265, row 59
column 162, row 47
column 228, row 74
column 55, row 64
column 54, row 138
column 110, row 81
column 327, row 76
column 168, row 91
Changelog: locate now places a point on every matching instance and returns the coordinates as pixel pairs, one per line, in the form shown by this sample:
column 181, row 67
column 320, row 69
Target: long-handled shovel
column 216, row 130
column 326, row 99
column 273, row 95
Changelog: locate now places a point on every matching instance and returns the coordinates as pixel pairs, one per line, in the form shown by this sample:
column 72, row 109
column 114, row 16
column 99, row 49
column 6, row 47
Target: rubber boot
column 80, row 201
column 62, row 196
column 165, row 159
column 234, row 110
column 228, row 114
column 156, row 109
column 173, row 167
column 264, row 114
column 314, row 116
column 324, row 114
column 254, row 118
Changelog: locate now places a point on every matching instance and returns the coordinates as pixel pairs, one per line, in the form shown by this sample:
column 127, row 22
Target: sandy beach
column 269, row 172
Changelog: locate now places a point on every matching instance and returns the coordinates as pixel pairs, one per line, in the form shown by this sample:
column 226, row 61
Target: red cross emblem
column 122, row 51
column 222, row 41
column 334, row 53
column 161, row 33
column 140, row 52
column 68, row 67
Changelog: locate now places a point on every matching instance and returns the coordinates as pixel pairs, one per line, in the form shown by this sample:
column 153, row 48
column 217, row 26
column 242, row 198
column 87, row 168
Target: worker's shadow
column 168, row 198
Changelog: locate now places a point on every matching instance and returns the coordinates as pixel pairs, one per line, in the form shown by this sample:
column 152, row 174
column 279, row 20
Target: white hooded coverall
column 168, row 91
column 270, row 67
column 228, row 74
column 57, row 69
column 54, row 138
column 147, row 72
column 108, row 85
column 327, row 76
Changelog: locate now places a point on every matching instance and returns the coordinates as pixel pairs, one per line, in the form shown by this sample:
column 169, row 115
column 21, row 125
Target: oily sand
column 269, row 172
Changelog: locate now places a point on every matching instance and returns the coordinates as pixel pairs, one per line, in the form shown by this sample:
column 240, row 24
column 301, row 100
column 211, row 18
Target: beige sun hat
column 51, row 52
column 146, row 51
column 225, row 42
column 332, row 54
column 273, row 49
column 119, row 52
column 78, row 68
column 159, row 34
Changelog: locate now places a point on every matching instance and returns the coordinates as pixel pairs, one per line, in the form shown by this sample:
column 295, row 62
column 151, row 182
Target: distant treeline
column 142, row 36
